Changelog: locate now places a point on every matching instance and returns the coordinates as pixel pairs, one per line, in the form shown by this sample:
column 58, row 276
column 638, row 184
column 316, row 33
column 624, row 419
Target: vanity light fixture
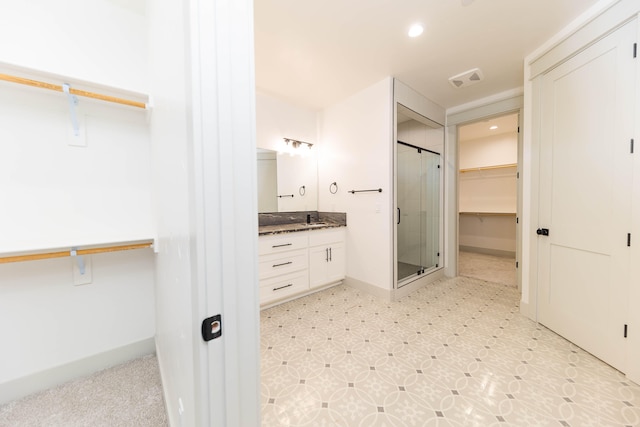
column 295, row 143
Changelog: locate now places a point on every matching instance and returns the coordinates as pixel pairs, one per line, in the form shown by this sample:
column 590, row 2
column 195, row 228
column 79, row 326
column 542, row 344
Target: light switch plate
column 87, row 277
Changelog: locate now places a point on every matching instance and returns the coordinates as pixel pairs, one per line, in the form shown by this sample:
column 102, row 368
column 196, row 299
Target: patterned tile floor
column 456, row 353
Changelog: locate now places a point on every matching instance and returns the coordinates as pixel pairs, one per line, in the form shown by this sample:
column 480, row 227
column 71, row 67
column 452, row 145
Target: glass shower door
column 431, row 209
column 418, row 202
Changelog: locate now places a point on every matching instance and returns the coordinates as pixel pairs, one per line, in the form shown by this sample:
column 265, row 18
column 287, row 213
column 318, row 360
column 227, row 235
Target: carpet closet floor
column 125, row 395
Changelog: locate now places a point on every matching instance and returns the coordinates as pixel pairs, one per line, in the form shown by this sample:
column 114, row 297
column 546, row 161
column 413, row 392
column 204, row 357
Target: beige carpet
column 125, row 395
column 487, row 267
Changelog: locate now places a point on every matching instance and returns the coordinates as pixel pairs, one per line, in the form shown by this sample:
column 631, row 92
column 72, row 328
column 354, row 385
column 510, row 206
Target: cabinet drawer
column 283, row 286
column 325, row 237
column 282, row 243
column 277, row 264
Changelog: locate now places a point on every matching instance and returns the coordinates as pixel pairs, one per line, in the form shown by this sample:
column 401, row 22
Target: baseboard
column 374, row 290
column 417, row 284
column 487, row 251
column 24, row 386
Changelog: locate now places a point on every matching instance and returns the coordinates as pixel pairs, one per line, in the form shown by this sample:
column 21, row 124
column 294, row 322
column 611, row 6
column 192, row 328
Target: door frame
column 518, row 215
column 510, row 102
column 225, row 231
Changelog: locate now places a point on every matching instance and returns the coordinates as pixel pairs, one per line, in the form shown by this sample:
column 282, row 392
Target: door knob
column 542, row 231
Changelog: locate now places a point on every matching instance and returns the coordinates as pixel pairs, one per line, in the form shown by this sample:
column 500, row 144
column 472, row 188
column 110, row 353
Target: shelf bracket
column 79, row 259
column 73, row 104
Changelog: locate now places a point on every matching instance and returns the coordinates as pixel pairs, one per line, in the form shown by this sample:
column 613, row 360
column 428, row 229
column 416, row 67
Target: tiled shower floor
column 456, row 353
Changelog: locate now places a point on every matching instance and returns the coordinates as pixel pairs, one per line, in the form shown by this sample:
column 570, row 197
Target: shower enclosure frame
column 436, row 269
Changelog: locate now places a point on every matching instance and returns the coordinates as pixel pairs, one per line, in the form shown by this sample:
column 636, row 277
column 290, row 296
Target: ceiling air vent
column 467, row 78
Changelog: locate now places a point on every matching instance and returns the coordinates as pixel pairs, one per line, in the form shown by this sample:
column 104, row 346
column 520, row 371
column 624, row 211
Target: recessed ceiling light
column 415, row 30
column 494, row 127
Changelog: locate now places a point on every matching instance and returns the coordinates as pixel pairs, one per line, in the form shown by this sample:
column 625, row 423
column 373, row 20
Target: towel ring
column 302, row 190
column 331, row 188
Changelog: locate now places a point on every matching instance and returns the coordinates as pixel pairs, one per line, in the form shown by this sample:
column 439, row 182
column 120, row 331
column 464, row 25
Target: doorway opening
column 488, row 199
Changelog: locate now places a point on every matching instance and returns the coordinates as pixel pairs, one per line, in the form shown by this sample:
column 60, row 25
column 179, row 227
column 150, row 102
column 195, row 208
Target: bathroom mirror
column 287, row 182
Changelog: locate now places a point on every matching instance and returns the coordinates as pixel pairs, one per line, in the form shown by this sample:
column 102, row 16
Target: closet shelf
column 44, row 80
column 486, row 168
column 59, row 253
column 489, row 213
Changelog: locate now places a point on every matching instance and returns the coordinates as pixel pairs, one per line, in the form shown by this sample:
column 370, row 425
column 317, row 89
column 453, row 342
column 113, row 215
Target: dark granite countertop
column 289, row 222
column 264, row 230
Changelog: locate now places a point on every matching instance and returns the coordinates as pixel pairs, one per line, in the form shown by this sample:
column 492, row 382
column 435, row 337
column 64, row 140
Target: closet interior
column 488, row 174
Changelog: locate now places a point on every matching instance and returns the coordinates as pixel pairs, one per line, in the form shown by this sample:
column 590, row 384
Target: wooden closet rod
column 58, row 88
column 61, row 254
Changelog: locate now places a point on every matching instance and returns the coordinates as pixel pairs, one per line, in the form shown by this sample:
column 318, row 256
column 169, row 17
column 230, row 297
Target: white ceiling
column 315, row 53
column 481, row 129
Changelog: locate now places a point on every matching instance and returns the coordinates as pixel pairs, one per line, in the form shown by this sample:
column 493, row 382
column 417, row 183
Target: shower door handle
column 398, row 216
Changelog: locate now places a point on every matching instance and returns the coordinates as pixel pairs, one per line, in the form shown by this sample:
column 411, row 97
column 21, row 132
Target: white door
column 587, row 113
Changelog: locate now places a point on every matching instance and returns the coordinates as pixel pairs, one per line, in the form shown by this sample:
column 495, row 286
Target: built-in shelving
column 488, row 213
column 486, row 168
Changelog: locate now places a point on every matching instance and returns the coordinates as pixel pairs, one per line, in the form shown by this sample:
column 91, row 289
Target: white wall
column 356, row 153
column 494, row 235
column 102, row 41
column 500, row 149
column 489, row 191
column 62, row 195
column 46, row 322
column 277, row 119
column 48, row 325
column 175, row 333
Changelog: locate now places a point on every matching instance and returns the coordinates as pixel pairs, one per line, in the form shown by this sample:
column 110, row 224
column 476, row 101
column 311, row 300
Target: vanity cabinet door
column 337, row 265
column 327, row 259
